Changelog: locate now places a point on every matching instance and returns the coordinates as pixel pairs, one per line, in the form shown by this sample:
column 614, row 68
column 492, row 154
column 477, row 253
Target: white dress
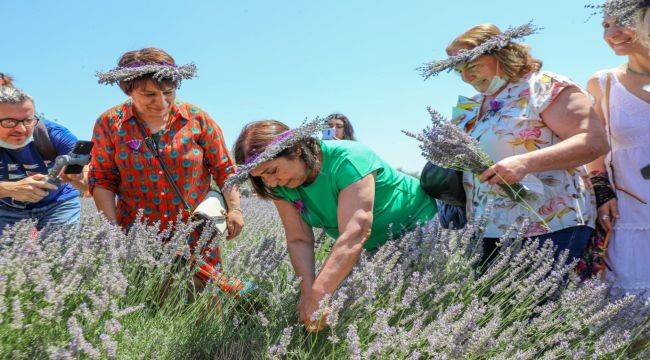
column 629, row 247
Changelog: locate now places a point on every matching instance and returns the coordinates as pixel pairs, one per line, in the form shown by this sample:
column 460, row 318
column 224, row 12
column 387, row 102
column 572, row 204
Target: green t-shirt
column 399, row 199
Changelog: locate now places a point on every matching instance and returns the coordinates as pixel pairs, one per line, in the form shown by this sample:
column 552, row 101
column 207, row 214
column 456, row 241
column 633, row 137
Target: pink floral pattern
column 513, row 125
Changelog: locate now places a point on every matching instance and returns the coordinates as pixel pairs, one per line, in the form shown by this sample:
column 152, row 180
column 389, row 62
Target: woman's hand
column 308, row 305
column 608, row 214
column 234, row 222
column 509, row 171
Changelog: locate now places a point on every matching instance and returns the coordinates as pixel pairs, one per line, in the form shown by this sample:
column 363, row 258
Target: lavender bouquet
column 446, row 145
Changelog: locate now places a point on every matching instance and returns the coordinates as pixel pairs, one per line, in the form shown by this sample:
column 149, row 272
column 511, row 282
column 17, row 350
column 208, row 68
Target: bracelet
column 236, row 209
column 602, row 189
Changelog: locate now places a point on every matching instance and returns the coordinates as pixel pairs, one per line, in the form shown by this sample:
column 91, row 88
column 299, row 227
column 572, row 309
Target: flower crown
column 623, row 10
column 283, row 141
column 162, row 71
column 494, row 43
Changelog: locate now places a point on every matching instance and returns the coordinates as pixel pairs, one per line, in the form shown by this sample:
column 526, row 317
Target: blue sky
column 284, row 60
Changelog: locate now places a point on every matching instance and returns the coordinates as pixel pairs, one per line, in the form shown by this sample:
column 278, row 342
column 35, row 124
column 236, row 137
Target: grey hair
column 11, row 95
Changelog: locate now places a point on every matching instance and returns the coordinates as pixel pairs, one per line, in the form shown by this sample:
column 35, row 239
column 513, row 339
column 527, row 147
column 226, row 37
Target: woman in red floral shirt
column 189, row 142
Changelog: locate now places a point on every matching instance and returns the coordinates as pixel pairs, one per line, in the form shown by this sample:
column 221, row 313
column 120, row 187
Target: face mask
column 496, row 83
column 9, row 146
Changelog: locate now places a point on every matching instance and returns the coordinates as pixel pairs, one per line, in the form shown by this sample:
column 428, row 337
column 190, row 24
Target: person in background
column 343, row 129
column 125, row 174
column 621, row 179
column 28, row 147
column 340, row 186
column 530, row 122
column 6, row 80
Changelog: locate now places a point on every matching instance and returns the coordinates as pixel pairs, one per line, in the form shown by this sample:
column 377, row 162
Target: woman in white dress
column 621, row 179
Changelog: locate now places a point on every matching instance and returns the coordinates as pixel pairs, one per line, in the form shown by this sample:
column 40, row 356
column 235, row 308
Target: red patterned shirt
column 192, row 147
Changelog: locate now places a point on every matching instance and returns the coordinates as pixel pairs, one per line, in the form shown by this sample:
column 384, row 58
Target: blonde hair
column 515, row 59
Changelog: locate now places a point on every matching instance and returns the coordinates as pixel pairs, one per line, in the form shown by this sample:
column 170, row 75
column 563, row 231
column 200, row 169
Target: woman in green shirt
column 340, row 186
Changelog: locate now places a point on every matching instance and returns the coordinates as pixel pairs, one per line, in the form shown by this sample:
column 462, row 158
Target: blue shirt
column 19, row 164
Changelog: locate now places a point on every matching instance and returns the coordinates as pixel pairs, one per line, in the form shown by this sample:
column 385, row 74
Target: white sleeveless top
column 629, row 122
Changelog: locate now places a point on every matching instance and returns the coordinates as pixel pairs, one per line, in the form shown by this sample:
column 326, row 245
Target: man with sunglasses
column 24, row 190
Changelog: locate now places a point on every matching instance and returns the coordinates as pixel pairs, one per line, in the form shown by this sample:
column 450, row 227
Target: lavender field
column 98, row 293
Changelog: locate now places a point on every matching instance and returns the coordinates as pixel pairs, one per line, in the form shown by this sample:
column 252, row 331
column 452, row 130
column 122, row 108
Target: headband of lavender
column 283, row 141
column 496, row 42
column 623, row 10
column 163, row 71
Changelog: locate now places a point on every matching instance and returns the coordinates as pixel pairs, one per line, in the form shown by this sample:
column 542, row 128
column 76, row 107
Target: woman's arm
column 300, row 243
column 105, row 202
column 220, row 165
column 571, row 117
column 608, row 211
column 234, row 217
column 103, row 174
column 355, row 221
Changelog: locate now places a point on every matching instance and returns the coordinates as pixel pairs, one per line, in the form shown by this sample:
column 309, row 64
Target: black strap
column 154, row 149
column 43, row 143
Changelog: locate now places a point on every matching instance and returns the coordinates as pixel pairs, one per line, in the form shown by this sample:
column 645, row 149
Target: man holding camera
column 28, row 149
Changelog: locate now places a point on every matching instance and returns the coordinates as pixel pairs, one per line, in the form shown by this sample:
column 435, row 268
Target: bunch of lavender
column 448, row 146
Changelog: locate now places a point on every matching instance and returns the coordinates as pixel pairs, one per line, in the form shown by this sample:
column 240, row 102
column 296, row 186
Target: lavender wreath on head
column 623, row 10
column 496, row 42
column 163, row 71
column 283, row 141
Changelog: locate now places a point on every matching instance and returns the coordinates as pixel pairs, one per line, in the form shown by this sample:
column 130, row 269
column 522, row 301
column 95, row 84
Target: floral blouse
column 512, row 125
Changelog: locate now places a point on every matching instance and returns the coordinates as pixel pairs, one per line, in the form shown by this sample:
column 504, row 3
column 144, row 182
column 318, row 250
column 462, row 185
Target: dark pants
column 575, row 239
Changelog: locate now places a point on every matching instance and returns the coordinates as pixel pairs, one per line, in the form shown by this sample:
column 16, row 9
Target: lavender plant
column 446, row 145
column 100, row 293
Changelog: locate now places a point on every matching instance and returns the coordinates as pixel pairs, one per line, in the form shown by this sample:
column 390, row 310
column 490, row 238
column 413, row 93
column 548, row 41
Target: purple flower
column 495, row 105
column 299, row 205
column 134, row 144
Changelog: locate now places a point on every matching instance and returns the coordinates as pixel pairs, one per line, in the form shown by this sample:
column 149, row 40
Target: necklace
column 630, row 70
column 645, row 87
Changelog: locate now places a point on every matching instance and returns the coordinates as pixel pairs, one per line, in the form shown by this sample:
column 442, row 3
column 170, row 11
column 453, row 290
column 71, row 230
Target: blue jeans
column 63, row 213
column 575, row 239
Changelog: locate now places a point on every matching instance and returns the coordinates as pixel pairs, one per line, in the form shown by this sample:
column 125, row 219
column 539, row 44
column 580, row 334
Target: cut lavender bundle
column 448, row 146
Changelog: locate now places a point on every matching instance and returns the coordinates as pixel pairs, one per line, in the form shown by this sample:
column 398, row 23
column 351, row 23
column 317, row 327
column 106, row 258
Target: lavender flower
column 626, row 11
column 493, row 44
column 160, row 72
column 284, row 141
column 448, row 146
